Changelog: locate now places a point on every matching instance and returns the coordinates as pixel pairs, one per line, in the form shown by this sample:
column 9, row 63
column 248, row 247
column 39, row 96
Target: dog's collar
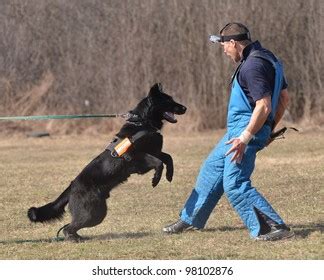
column 136, row 120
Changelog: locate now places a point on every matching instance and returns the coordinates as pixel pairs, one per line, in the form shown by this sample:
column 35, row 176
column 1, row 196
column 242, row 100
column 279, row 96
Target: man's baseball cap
column 236, row 37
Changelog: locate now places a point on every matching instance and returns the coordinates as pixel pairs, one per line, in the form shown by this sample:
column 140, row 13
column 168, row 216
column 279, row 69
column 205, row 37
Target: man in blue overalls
column 258, row 100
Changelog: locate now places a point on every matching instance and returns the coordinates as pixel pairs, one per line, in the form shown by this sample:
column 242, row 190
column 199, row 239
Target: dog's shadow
column 301, row 230
column 122, row 235
column 23, row 241
column 107, row 237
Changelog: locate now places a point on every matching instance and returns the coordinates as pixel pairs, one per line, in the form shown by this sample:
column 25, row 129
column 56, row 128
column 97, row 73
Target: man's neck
column 241, row 47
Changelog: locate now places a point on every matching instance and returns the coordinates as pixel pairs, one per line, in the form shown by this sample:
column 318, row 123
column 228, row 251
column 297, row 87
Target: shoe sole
column 191, row 228
column 275, row 236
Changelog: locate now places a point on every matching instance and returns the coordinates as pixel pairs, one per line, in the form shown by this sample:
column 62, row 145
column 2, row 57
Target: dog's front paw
column 157, row 175
column 169, row 174
column 169, row 177
column 155, row 180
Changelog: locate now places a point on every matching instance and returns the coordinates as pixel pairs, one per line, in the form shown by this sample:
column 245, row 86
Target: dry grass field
column 290, row 174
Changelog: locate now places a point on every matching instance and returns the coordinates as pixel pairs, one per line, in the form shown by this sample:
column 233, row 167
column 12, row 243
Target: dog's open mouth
column 169, row 117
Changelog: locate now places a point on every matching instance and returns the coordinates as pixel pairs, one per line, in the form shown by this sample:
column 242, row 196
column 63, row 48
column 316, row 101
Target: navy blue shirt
column 256, row 76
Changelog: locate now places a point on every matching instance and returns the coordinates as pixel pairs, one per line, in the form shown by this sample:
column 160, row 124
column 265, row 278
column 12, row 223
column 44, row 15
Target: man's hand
column 238, row 148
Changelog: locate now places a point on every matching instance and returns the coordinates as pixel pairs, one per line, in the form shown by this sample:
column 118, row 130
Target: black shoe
column 178, row 227
column 277, row 233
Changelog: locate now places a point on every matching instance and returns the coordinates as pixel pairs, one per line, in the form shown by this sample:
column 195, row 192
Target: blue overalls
column 218, row 174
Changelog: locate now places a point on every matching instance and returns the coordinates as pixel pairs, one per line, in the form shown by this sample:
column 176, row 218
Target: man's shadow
column 304, row 230
column 300, row 230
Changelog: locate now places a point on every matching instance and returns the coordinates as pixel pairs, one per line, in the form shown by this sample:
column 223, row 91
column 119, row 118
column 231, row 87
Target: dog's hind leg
column 70, row 233
column 87, row 210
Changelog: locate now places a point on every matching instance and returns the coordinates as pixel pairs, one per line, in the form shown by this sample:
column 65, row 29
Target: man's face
column 231, row 50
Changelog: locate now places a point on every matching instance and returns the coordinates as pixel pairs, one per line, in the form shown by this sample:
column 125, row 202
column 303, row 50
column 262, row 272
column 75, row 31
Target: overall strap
column 236, row 71
column 277, row 65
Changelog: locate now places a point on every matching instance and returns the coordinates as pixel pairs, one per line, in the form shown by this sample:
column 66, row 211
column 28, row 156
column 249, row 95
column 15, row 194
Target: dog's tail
column 51, row 211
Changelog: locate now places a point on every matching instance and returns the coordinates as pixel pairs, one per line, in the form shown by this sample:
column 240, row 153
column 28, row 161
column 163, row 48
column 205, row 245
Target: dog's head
column 158, row 106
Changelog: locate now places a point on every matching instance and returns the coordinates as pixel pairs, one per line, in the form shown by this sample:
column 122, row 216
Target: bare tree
column 92, row 56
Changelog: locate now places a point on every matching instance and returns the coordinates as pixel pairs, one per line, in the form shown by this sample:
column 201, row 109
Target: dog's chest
column 151, row 143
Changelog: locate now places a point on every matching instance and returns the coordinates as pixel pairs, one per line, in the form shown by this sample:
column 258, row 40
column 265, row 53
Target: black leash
column 279, row 134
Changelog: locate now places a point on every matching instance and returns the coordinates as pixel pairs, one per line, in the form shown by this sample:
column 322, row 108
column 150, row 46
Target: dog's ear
column 157, row 88
column 160, row 87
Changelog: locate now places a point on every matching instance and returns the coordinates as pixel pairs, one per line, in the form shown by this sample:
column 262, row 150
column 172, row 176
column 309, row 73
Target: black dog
column 137, row 148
